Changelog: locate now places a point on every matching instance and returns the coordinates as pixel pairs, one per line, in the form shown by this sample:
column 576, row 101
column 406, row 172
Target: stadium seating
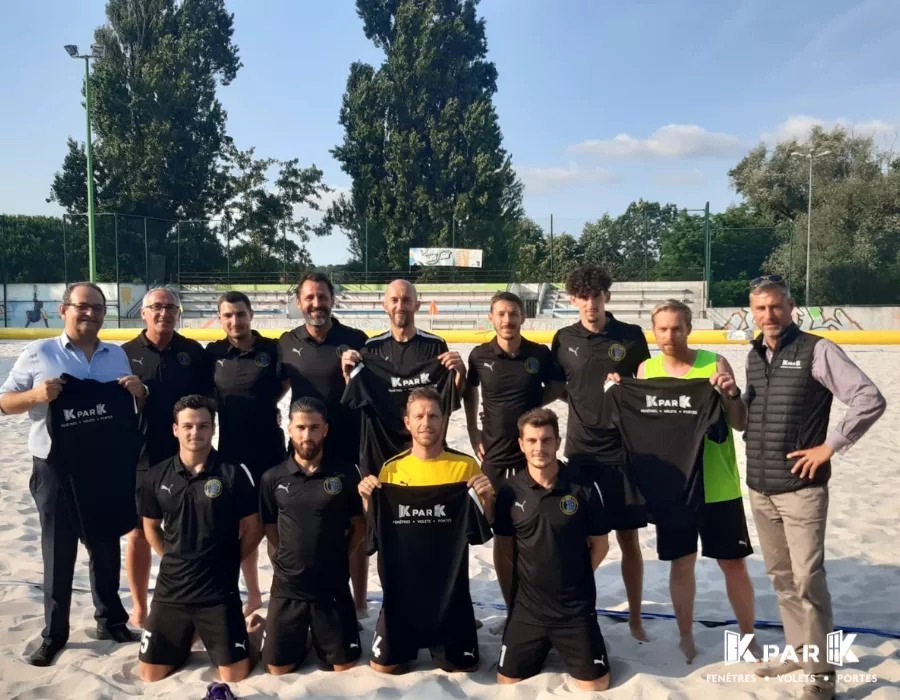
column 202, row 302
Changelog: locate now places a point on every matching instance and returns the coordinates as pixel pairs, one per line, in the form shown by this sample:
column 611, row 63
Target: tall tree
column 160, row 137
column 422, row 142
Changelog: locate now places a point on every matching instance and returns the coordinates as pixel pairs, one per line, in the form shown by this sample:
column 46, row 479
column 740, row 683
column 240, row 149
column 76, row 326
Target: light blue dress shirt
column 51, row 358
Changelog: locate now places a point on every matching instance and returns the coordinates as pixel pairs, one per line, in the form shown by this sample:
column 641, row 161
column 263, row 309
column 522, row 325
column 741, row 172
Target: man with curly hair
column 595, row 346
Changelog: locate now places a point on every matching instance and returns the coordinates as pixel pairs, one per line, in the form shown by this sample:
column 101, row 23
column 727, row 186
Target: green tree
column 265, row 235
column 855, row 228
column 629, row 245
column 160, row 139
column 31, row 248
column 422, row 143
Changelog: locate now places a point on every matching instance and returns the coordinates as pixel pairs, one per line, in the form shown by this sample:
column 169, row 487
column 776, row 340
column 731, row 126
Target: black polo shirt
column 404, row 355
column 314, row 369
column 553, row 580
column 510, row 386
column 200, row 515
column 178, row 370
column 313, row 516
column 587, row 358
column 247, row 388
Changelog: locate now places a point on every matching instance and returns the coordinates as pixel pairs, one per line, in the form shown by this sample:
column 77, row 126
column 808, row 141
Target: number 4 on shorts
column 145, row 641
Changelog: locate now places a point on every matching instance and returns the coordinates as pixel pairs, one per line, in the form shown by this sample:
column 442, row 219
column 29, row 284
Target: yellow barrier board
column 696, row 338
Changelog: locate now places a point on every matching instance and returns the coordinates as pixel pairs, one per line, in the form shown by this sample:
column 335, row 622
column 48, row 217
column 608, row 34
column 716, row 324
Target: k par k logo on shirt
column 423, row 379
column 72, row 414
column 656, row 404
column 421, row 515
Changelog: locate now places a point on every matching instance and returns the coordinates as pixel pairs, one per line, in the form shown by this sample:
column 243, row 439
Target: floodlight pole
column 92, row 251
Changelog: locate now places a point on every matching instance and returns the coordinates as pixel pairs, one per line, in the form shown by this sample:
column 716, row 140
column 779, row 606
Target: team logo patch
column 341, row 349
column 617, row 352
column 263, row 360
column 568, row 504
column 184, row 359
column 532, row 365
column 213, row 488
column 333, row 485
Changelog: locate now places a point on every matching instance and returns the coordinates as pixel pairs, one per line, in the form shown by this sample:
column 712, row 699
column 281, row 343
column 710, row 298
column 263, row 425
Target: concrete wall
column 34, row 304
column 816, row 318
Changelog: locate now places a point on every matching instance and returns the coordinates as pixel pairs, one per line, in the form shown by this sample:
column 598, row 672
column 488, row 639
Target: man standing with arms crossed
column 170, row 366
column 792, row 378
column 35, row 381
column 248, row 387
column 310, row 359
column 515, row 376
column 588, row 351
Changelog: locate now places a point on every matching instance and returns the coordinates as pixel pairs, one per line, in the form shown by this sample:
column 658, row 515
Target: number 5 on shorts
column 145, row 641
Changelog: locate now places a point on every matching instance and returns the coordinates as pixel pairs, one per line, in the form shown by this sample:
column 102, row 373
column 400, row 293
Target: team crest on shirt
column 341, row 349
column 617, row 352
column 213, row 488
column 263, row 359
column 184, row 359
column 532, row 365
column 568, row 504
column 333, row 485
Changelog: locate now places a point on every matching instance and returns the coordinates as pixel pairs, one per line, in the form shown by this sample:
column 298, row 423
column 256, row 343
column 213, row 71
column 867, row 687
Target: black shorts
column 722, row 528
column 142, row 471
column 169, row 633
column 459, row 650
column 335, row 636
column 525, row 648
column 620, row 514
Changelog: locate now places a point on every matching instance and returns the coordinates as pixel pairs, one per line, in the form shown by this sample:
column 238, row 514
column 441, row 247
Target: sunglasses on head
column 766, row 280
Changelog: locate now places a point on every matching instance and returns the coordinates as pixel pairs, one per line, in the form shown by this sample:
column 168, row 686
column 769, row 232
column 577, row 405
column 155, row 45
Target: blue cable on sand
column 613, row 614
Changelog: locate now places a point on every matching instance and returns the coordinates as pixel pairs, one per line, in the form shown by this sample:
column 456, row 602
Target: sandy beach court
column 863, row 564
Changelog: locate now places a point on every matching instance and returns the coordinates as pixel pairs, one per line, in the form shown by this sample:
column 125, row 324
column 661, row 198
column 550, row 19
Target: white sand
column 863, row 562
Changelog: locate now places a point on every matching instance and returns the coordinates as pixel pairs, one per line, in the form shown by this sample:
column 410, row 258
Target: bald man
column 404, row 345
column 171, row 366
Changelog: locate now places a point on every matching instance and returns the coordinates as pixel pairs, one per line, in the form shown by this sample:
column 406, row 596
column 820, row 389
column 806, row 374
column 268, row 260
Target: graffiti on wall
column 809, row 318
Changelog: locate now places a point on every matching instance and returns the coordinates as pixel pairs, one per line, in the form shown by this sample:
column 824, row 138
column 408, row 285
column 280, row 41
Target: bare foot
column 138, row 618
column 637, row 630
column 254, row 603
column 756, row 650
column 687, row 648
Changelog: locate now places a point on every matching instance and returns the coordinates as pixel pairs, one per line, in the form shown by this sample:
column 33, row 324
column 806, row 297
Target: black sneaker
column 120, row 634
column 45, row 654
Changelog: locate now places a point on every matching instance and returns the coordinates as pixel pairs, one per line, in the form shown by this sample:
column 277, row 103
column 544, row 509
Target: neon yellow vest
column 721, row 480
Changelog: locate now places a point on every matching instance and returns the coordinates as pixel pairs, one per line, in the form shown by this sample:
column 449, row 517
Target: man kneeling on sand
column 200, row 517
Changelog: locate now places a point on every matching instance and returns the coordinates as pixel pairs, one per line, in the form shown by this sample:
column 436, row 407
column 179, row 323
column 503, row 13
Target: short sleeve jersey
column 178, row 370
column 381, row 390
column 247, row 388
column 95, row 443
column 553, row 581
column 422, row 534
column 664, row 423
column 587, row 358
column 510, row 386
column 449, row 467
column 403, row 355
column 313, row 514
column 200, row 517
column 314, row 369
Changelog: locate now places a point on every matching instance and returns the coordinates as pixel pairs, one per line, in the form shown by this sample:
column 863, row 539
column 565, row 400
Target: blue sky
column 600, row 102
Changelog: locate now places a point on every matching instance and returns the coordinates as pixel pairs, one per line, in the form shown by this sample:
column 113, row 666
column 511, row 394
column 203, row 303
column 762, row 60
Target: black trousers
column 59, row 547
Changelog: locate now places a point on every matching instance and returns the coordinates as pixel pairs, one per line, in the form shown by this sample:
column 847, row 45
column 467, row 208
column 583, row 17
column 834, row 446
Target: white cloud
column 682, row 178
column 799, row 126
column 538, row 179
column 670, row 141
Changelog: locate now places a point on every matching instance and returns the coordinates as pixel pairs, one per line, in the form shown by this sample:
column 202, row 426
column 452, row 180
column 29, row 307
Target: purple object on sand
column 219, row 691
